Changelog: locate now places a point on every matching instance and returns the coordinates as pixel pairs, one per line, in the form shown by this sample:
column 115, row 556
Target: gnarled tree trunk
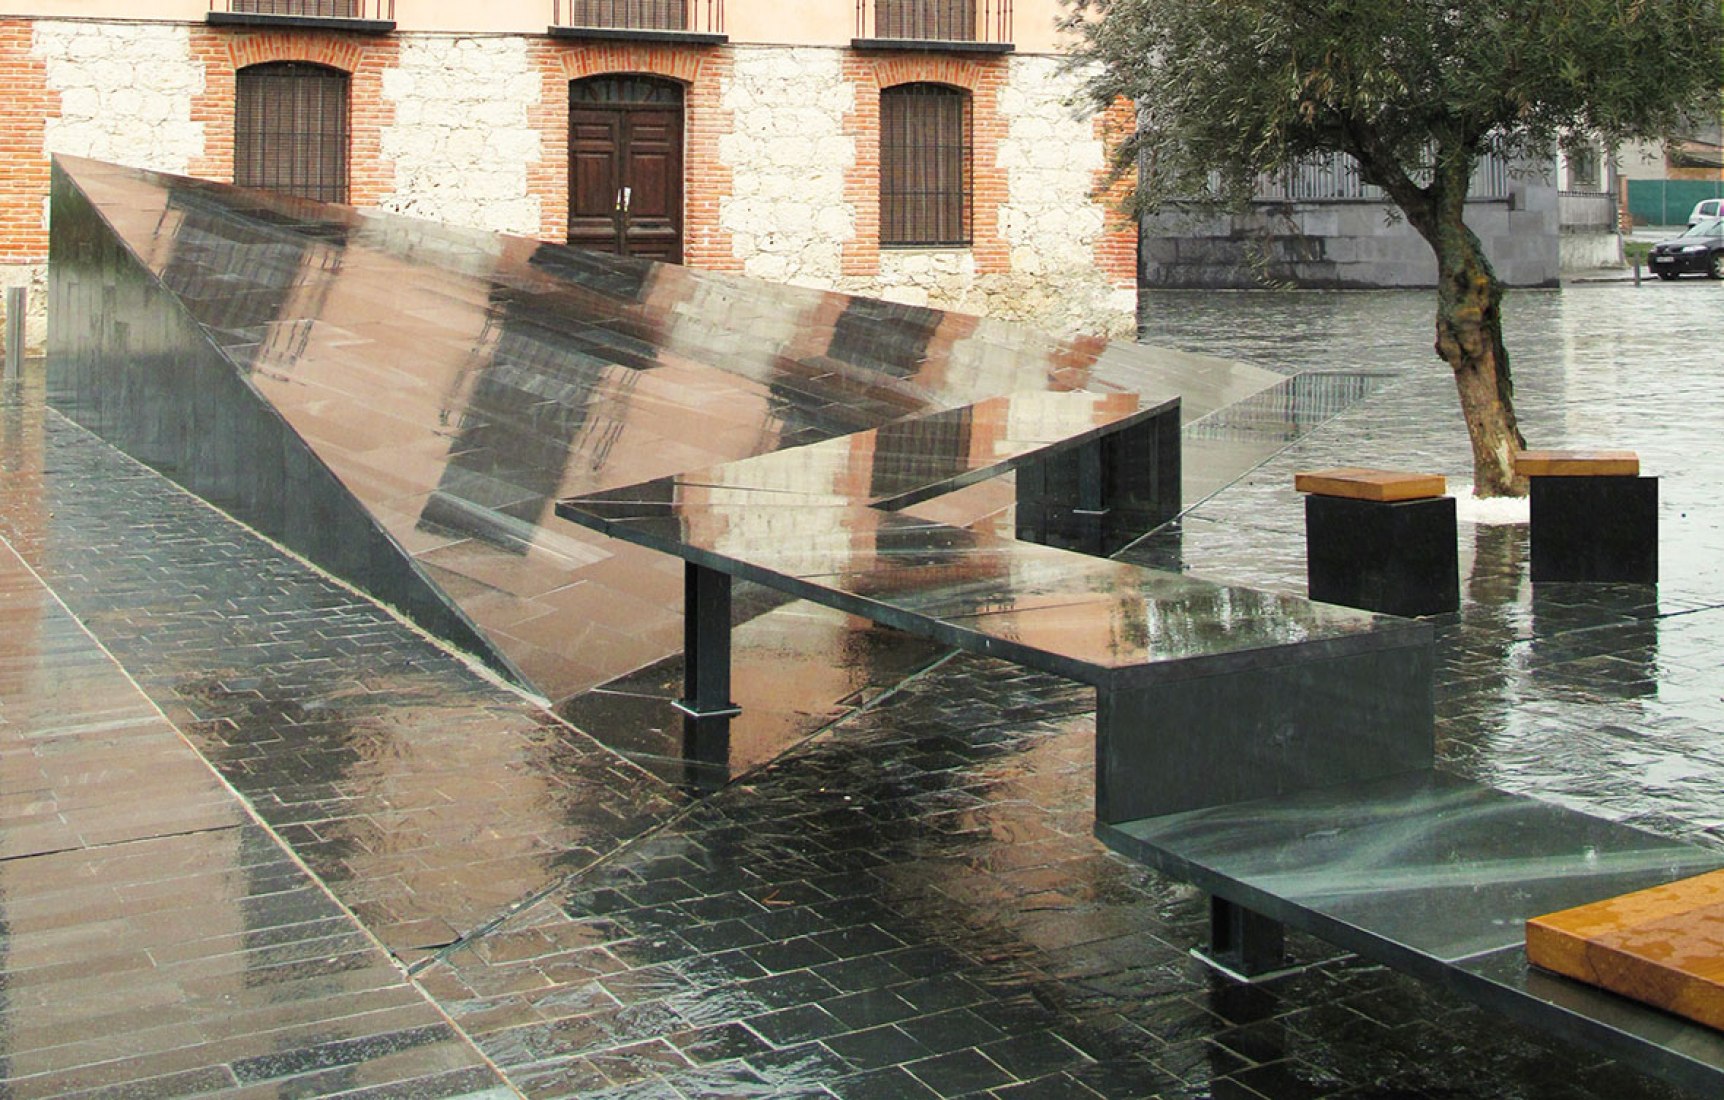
column 1469, row 325
column 1470, row 340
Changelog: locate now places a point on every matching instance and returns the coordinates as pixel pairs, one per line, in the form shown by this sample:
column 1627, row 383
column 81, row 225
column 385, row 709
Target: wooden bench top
column 1363, row 483
column 1663, row 946
column 1577, row 464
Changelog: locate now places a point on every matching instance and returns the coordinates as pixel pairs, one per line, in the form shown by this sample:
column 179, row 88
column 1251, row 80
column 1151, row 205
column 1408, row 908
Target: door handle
column 628, row 194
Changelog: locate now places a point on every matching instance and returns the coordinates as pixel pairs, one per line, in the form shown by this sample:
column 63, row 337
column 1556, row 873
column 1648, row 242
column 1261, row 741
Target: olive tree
column 1415, row 91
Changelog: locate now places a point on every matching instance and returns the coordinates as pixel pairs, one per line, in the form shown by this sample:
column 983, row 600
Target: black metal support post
column 706, row 643
column 1245, row 942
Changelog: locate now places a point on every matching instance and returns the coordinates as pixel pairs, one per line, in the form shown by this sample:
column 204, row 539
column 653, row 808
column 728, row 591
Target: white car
column 1706, row 208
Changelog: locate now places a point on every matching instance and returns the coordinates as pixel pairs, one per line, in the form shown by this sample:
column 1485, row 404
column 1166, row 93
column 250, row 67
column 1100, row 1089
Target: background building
column 925, row 151
column 1321, row 225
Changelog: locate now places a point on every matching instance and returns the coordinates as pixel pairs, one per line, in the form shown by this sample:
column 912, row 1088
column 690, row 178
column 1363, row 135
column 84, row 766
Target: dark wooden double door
column 625, row 167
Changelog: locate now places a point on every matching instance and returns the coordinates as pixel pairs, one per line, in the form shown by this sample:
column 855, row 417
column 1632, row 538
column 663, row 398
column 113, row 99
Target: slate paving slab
column 155, row 939
column 910, row 904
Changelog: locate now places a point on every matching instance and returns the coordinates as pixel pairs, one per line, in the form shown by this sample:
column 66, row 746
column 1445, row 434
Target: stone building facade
column 462, row 113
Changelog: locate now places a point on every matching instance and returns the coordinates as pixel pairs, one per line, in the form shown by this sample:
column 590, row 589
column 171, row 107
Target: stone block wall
column 781, row 158
column 1345, row 244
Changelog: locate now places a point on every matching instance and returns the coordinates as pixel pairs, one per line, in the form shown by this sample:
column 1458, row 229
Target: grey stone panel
column 1259, row 732
column 1342, row 245
column 127, row 362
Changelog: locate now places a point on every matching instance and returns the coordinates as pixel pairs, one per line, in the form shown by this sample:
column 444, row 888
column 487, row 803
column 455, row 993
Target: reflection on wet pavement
column 908, row 905
column 151, row 932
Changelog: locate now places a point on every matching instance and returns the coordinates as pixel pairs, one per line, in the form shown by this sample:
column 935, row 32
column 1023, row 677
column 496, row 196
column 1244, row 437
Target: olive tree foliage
column 1417, row 92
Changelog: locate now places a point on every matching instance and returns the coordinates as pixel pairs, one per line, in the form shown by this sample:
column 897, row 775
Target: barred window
column 652, row 15
column 924, row 165
column 936, row 20
column 291, row 130
column 330, row 9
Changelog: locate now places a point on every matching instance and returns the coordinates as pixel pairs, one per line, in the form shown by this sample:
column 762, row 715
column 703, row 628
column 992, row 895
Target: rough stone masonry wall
column 786, row 214
column 1063, row 276
column 114, row 91
column 471, row 130
column 462, row 140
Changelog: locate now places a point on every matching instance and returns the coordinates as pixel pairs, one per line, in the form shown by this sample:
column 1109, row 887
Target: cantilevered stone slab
column 1663, row 946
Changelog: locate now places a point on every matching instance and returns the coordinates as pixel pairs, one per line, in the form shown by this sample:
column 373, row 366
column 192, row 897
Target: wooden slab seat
column 1363, row 483
column 1663, row 946
column 1577, row 464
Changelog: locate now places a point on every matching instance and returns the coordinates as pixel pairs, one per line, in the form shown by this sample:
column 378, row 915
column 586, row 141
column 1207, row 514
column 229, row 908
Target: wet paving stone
column 909, row 905
column 163, row 943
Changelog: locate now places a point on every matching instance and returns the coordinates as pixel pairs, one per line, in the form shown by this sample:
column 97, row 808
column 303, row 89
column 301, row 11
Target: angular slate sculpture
column 403, row 402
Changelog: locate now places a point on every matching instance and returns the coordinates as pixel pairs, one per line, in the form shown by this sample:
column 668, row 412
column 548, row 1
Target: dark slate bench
column 1273, row 751
column 1224, row 689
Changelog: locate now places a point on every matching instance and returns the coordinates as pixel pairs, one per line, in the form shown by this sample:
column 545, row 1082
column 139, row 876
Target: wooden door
column 625, row 178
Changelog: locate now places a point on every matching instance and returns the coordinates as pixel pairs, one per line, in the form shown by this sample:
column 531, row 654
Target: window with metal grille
column 924, row 165
column 290, row 130
column 928, row 20
column 626, row 89
column 328, row 9
column 651, row 15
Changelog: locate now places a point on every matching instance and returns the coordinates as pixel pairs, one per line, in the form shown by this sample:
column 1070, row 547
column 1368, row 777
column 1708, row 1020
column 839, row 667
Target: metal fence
column 935, row 20
column 701, row 16
column 320, row 9
column 1336, row 177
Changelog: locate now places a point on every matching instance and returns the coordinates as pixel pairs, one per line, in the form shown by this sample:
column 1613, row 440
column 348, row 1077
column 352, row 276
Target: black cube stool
column 1380, row 540
column 1593, row 517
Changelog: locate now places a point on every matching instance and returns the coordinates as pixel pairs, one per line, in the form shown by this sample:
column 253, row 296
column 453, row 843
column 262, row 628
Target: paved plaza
column 259, row 838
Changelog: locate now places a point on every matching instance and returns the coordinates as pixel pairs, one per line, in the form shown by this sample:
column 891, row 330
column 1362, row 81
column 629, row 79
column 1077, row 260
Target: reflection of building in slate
column 447, row 385
column 517, row 415
column 290, row 276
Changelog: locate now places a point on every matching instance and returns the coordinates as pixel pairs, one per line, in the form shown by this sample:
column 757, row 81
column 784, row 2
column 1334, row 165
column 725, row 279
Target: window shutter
column 649, row 15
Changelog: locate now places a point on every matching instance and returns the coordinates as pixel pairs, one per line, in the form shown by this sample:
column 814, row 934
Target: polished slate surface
column 919, row 890
column 425, row 796
column 457, row 383
column 801, row 521
column 1437, row 865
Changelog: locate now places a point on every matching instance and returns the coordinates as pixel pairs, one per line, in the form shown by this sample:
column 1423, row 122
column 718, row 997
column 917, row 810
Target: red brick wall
column 26, row 103
column 982, row 78
column 224, row 52
column 1116, row 248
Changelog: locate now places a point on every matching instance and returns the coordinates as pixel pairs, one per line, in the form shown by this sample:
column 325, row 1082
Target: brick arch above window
column 966, row 73
column 682, row 64
column 329, row 51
